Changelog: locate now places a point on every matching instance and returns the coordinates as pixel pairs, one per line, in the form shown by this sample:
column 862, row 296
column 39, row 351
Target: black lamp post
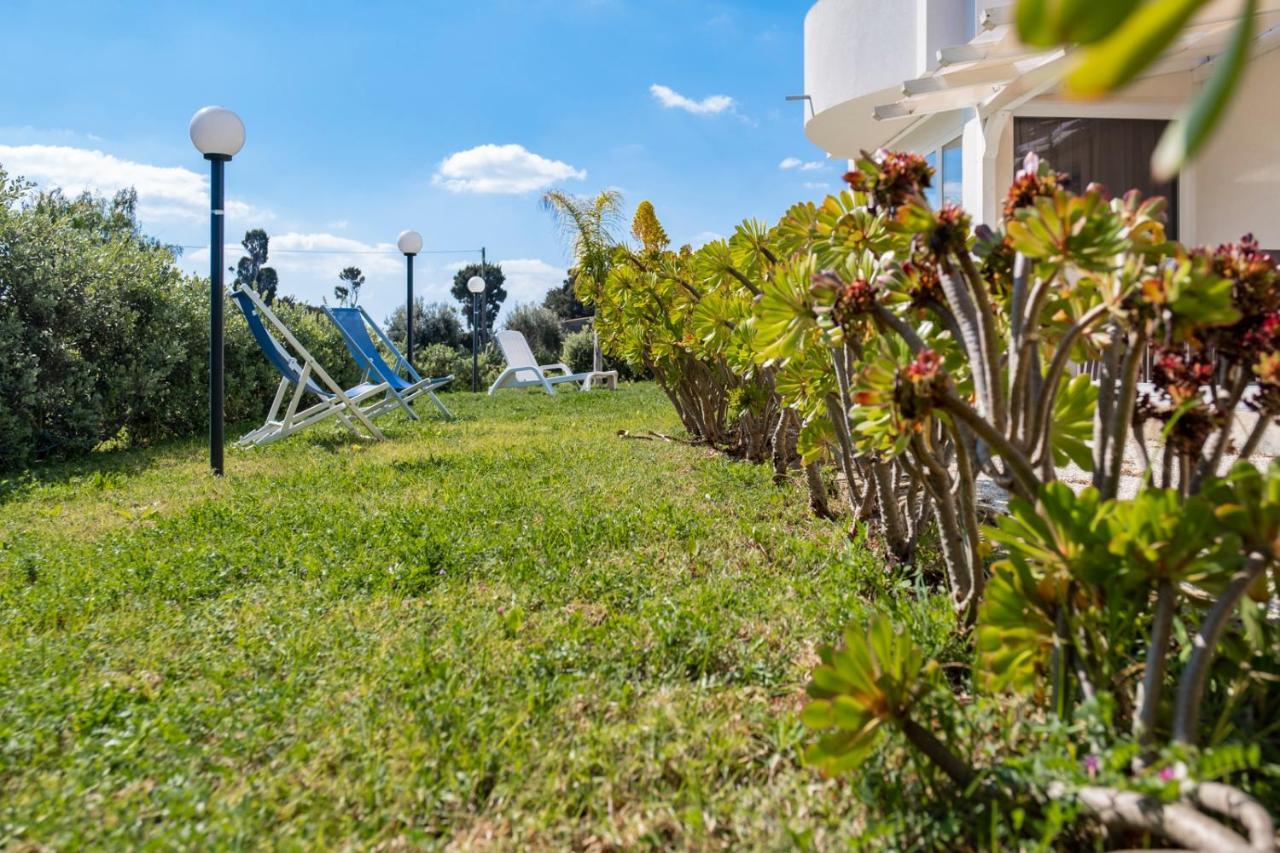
column 218, row 134
column 476, row 285
column 410, row 242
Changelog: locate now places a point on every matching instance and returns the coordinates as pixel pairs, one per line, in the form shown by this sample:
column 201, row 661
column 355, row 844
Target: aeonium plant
column 1089, row 591
column 1078, row 623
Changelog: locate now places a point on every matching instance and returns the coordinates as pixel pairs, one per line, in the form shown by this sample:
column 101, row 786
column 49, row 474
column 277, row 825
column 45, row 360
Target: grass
column 514, row 629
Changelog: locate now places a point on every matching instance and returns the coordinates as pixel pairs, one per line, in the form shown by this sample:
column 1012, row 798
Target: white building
column 949, row 79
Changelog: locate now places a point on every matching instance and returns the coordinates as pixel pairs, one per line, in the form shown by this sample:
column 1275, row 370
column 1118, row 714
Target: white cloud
column 501, row 169
column 308, row 265
column 710, row 105
column 165, row 193
column 816, row 185
column 316, row 256
column 790, row 163
column 702, row 238
column 529, row 279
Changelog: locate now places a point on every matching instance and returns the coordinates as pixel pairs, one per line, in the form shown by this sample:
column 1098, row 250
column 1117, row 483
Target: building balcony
column 858, row 52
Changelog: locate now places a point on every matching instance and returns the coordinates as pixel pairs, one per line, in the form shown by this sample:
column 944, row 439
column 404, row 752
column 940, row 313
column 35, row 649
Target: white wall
column 1237, row 177
column 857, row 50
column 855, row 47
column 946, row 23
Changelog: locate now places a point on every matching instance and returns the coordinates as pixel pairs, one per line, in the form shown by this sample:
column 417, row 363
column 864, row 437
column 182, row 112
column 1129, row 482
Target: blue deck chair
column 358, row 404
column 354, row 324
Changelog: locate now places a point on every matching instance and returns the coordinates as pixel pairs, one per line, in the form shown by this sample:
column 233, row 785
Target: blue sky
column 367, row 118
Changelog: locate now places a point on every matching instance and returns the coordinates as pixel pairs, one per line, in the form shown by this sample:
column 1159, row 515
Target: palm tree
column 589, row 226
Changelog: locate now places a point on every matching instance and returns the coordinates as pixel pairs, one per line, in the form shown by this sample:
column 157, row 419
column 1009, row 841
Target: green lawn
column 512, row 629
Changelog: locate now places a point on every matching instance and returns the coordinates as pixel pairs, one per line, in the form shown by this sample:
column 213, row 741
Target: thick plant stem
column 838, row 411
column 1204, row 648
column 1106, row 401
column 945, row 316
column 743, row 280
column 841, row 425
column 936, row 751
column 895, row 532
column 781, row 449
column 1038, row 436
column 1148, row 698
column 1178, row 822
column 1255, row 436
column 866, row 507
column 1017, row 461
column 967, row 322
column 969, row 511
column 1122, row 414
column 817, row 492
column 899, row 326
column 1022, row 344
column 1208, row 466
column 987, row 337
column 1240, row 807
column 1017, row 307
column 950, row 533
column 1058, row 664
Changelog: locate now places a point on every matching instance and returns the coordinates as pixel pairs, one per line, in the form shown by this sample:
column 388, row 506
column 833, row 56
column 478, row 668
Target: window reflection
column 931, row 194
column 1113, row 152
column 953, row 171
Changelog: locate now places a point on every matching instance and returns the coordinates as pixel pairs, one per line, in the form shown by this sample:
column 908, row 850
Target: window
column 948, row 180
column 931, row 194
column 953, row 171
column 1113, row 152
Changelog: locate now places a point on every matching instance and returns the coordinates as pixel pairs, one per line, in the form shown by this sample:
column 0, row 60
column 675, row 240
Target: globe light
column 217, row 132
column 475, row 284
column 410, row 242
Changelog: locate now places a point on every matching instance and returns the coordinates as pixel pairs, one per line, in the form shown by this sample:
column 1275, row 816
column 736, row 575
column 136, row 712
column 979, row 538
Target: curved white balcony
column 857, row 53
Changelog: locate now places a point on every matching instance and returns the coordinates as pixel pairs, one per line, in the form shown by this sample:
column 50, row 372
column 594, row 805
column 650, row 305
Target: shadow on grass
column 101, row 470
column 111, row 466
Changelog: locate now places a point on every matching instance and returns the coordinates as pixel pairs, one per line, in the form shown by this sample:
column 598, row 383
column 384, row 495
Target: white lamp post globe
column 475, row 284
column 218, row 132
column 410, row 242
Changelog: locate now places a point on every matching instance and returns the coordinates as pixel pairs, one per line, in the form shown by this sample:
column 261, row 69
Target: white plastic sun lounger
column 358, row 404
column 523, row 370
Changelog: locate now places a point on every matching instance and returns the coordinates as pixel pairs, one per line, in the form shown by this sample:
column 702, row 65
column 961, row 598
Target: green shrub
column 541, row 328
column 579, row 348
column 489, row 364
column 91, row 334
column 578, row 351
column 441, row 360
column 436, row 360
column 433, row 323
column 102, row 337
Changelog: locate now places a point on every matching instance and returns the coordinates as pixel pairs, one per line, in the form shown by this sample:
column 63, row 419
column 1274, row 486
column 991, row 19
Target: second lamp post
column 410, row 242
column 476, row 285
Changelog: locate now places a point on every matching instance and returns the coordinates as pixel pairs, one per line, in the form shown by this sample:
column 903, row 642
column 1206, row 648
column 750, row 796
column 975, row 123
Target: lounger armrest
column 557, row 366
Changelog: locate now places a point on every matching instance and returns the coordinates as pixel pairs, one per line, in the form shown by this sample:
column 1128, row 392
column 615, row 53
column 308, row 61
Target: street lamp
column 476, row 285
column 218, row 134
column 410, row 242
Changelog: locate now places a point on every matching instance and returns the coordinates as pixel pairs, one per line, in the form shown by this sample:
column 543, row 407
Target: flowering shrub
column 920, row 355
